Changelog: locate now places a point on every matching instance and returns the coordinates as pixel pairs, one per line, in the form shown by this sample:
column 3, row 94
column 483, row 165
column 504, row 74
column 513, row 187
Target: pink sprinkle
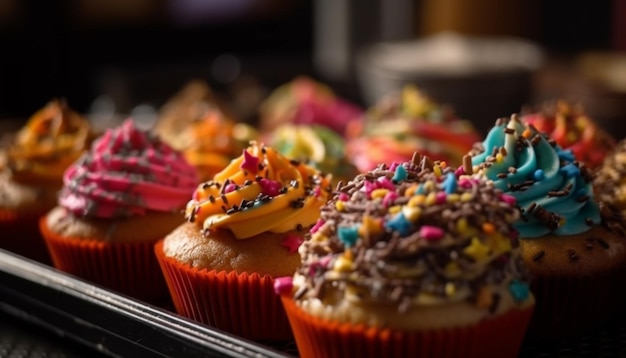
column 369, row 187
column 195, row 196
column 324, row 261
column 389, row 198
column 230, row 187
column 317, row 191
column 270, row 187
column 320, row 264
column 317, row 226
column 440, row 197
column 283, row 285
column 386, row 183
column 250, row 162
column 459, row 171
column 344, row 197
column 509, row 199
column 431, row 233
column 465, row 183
column 393, row 166
column 292, row 242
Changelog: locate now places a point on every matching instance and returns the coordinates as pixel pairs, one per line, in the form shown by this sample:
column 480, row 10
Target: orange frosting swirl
column 52, row 139
column 259, row 191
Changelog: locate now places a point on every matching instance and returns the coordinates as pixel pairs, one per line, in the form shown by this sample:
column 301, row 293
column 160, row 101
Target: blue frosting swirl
column 547, row 181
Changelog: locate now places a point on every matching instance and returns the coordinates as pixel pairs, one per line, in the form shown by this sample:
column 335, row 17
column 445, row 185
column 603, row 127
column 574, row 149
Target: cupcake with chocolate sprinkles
column 243, row 230
column 573, row 244
column 407, row 260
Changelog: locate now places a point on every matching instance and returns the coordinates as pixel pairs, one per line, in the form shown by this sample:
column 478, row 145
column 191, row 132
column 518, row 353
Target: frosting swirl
column 259, row 191
column 552, row 189
column 573, row 129
column 53, row 138
column 127, row 172
column 414, row 235
column 406, row 122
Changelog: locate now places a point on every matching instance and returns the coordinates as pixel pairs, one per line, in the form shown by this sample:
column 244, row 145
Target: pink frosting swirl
column 127, row 172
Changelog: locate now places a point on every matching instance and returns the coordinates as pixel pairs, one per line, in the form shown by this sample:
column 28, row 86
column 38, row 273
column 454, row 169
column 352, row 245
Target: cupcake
column 573, row 129
column 317, row 145
column 196, row 123
column 306, row 101
column 572, row 244
column 411, row 260
column 31, row 173
column 403, row 123
column 610, row 179
column 122, row 196
column 243, row 229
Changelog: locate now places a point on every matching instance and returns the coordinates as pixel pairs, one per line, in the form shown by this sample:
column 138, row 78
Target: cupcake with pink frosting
column 117, row 201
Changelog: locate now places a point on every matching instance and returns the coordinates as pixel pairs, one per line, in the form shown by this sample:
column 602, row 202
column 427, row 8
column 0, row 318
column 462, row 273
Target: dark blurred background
column 142, row 51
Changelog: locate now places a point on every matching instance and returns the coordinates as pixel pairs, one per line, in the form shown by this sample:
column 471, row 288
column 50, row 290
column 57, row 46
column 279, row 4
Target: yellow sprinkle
column 395, row 209
column 412, row 214
column 416, row 200
column 499, row 243
column 450, row 289
column 526, row 133
column 379, row 193
column 319, row 237
column 489, row 228
column 452, row 268
column 477, row 250
column 467, row 196
column 437, row 170
column 348, row 254
column 429, row 186
column 443, row 164
column 499, row 157
column 369, row 227
column 339, row 205
column 431, row 199
column 342, row 264
column 453, row 198
column 461, row 226
column 410, row 190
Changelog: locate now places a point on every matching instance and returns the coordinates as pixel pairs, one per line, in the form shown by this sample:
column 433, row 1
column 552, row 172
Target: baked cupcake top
column 413, row 235
column 405, row 122
column 259, row 191
column 316, row 145
column 53, row 138
column 306, row 101
column 551, row 187
column 573, row 129
column 127, row 172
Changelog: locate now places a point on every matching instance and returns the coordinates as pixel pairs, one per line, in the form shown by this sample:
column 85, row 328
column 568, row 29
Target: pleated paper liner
column 127, row 268
column 19, row 233
column 500, row 336
column 242, row 304
column 569, row 307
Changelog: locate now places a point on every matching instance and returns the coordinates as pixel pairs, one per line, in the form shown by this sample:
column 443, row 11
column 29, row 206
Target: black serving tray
column 107, row 322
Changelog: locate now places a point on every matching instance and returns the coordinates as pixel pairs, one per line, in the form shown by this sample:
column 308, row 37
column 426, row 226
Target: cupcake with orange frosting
column 308, row 102
column 195, row 122
column 406, row 122
column 243, row 229
column 409, row 260
column 118, row 200
column 572, row 128
column 31, row 173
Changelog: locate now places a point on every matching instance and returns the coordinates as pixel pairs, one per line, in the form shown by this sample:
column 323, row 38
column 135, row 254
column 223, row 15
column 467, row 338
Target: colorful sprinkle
column 538, row 174
column 283, row 285
column 412, row 214
column 230, row 187
column 348, row 234
column 569, row 170
column 431, row 233
column 370, row 227
column 250, row 162
column 400, row 224
column 566, row 155
column 488, row 228
column 477, row 250
column 270, row 187
column 317, row 226
column 292, row 242
column 519, row 290
column 450, row 183
column 400, row 174
column 440, row 197
column 509, row 199
column 384, row 182
column 389, row 198
column 343, row 197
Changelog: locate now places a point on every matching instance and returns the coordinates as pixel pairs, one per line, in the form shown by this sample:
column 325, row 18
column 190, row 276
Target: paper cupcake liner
column 568, row 307
column 128, row 268
column 20, row 234
column 500, row 336
column 242, row 304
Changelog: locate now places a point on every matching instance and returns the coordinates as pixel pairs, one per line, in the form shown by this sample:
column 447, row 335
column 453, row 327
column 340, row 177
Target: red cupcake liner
column 568, row 307
column 19, row 233
column 500, row 336
column 239, row 303
column 127, row 268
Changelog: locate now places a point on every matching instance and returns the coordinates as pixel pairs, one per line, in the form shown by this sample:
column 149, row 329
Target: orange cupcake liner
column 19, row 233
column 501, row 336
column 127, row 268
column 239, row 303
column 568, row 307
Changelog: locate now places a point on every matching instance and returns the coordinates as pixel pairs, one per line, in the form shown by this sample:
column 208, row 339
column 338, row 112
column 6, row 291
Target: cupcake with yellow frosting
column 243, row 229
column 31, row 173
column 411, row 260
column 195, row 122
